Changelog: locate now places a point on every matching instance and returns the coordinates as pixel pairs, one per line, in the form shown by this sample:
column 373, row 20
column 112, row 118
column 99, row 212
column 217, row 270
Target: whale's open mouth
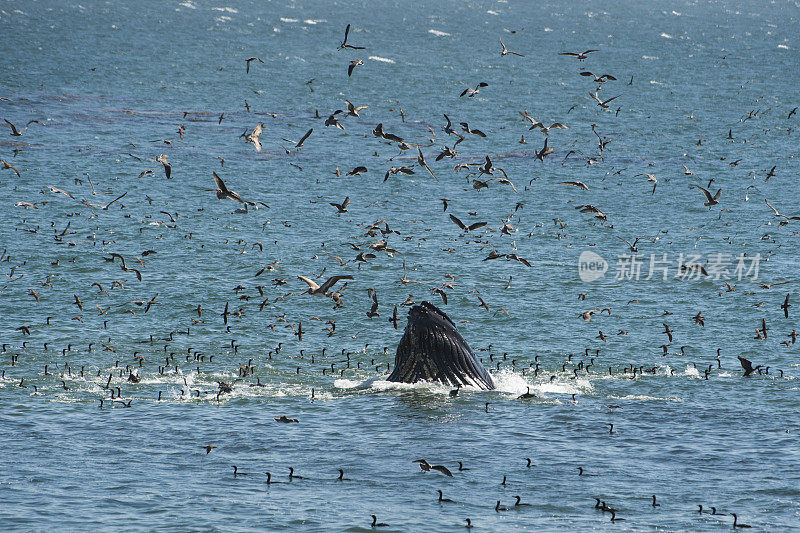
column 432, row 349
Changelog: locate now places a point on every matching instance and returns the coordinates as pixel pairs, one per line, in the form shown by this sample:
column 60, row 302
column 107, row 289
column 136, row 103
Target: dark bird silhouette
column 356, row 171
column 580, row 55
column 344, row 42
column 375, row 522
column 747, row 365
column 464, row 227
column 247, row 66
column 736, row 521
column 342, row 207
column 443, row 500
column 599, row 79
column 333, row 121
column 545, row 151
column 710, row 200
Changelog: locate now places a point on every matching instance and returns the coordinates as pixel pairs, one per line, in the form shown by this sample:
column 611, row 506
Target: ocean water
column 704, row 90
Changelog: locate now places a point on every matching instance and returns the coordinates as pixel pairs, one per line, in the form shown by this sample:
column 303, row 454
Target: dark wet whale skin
column 432, row 349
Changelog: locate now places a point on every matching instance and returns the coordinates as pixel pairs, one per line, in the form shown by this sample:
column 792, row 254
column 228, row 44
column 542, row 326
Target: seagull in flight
column 580, row 55
column 506, row 51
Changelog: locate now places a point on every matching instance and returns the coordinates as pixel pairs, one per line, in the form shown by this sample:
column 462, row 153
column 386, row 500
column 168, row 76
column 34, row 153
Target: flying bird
column 580, row 184
column 247, row 62
column 464, row 227
column 599, row 79
column 747, row 365
column 505, row 51
column 333, row 121
column 603, row 103
column 353, row 64
column 580, row 55
column 356, row 171
column 223, row 192
column 344, row 42
column 322, row 290
column 342, row 208
column 352, row 111
column 18, row 133
column 470, row 92
column 421, row 161
column 255, row 136
column 167, row 166
column 711, row 200
column 6, row 166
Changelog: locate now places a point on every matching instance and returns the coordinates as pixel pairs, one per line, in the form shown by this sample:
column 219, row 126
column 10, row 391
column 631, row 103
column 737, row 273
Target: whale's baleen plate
column 432, row 349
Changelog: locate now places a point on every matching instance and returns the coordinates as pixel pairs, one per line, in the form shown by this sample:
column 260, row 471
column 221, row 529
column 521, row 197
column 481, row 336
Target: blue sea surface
column 702, row 98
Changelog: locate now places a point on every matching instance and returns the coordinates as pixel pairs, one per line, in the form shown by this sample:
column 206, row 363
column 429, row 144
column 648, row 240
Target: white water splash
column 691, row 371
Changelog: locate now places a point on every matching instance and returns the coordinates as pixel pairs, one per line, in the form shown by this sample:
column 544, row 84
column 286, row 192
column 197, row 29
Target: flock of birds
column 160, row 358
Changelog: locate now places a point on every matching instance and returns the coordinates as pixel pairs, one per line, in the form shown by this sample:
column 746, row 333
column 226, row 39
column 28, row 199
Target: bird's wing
column 303, row 139
column 442, row 469
column 235, row 196
column 773, row 209
column 332, row 281
column 746, row 364
column 346, row 202
column 220, row 184
column 311, row 284
column 476, row 225
column 457, row 222
column 705, row 192
column 13, row 128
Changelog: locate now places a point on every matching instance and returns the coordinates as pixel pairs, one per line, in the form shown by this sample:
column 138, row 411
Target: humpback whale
column 432, row 349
